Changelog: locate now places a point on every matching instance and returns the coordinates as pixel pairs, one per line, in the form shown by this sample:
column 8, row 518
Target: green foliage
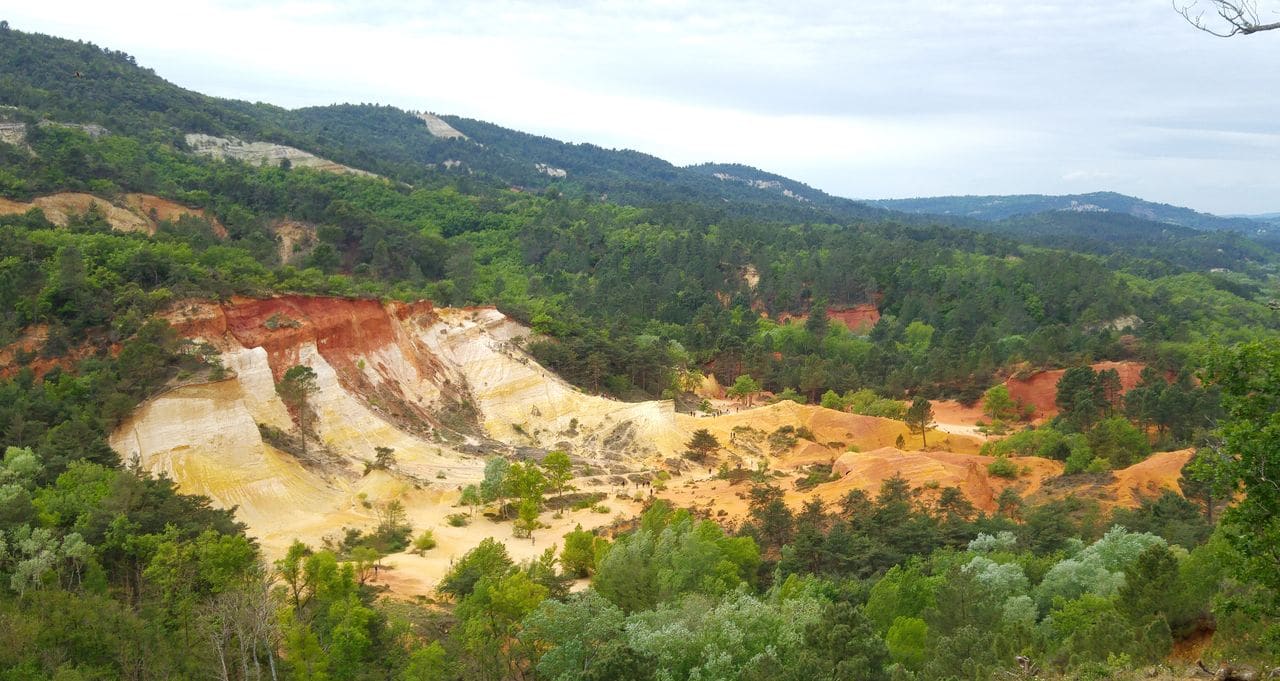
column 789, row 395
column 579, row 554
column 1098, row 569
column 490, row 616
column 424, row 542
column 998, row 405
column 427, row 663
column 671, row 557
column 701, row 445
column 1118, row 442
column 1249, row 377
column 577, row 635
column 744, row 387
column 558, row 470
column 919, row 419
column 903, row 592
column 488, row 559
column 1002, row 467
column 867, row 403
column 739, row 636
column 98, row 562
column 296, row 388
column 906, row 641
column 1169, row 516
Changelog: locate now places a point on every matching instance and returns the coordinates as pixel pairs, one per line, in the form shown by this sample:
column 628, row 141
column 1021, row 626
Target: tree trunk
column 302, row 425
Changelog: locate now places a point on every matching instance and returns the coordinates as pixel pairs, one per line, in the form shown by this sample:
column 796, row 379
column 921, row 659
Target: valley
column 447, row 389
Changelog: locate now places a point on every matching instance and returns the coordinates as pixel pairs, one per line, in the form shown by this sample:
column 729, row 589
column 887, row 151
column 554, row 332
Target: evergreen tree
column 920, row 419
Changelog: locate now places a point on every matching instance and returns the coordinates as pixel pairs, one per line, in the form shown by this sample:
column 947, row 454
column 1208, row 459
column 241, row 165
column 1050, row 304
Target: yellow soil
column 136, row 212
column 1150, row 477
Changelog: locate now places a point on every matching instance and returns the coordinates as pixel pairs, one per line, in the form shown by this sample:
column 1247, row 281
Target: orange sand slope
column 1041, row 389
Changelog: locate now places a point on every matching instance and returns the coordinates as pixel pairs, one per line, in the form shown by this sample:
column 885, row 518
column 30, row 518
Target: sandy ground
column 953, row 417
column 413, row 575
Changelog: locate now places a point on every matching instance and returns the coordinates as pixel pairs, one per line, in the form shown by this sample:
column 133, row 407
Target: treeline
column 886, row 588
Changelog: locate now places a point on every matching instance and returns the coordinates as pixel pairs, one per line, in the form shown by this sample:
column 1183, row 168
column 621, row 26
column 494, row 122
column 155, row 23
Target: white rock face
column 439, row 127
column 13, row 133
column 93, row 130
column 551, row 170
column 264, row 153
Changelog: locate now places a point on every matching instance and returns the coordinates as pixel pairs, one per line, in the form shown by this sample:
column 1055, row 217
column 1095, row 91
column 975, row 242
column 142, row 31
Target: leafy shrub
column 782, row 439
column 1002, row 467
column 424, row 542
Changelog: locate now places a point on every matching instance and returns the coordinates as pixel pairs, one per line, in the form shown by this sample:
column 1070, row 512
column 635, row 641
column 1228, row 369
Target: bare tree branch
column 1235, row 17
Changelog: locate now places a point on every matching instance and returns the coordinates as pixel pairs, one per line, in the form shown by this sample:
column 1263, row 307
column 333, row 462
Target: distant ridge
column 995, row 208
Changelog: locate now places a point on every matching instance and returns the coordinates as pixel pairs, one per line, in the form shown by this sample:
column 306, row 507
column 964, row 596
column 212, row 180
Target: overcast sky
column 862, row 99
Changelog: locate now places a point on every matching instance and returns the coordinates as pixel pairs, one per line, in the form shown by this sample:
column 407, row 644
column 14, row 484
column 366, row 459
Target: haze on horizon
column 917, row 98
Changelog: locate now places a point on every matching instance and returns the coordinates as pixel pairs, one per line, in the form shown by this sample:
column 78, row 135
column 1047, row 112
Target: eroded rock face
column 448, row 388
column 13, row 133
column 264, row 153
column 445, row 388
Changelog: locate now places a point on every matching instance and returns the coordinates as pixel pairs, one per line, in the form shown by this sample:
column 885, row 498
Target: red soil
column 1040, row 390
column 856, row 318
column 340, row 328
column 32, row 340
column 859, row 318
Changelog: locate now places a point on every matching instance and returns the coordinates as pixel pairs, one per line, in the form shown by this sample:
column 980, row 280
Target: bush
column 1002, row 467
column 867, row 403
column 1000, row 406
column 1046, row 443
column 425, row 542
column 458, row 519
column 788, row 395
column 782, row 439
column 1119, row 442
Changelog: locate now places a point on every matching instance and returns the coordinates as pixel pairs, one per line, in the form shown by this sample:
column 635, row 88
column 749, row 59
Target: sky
column 861, row 99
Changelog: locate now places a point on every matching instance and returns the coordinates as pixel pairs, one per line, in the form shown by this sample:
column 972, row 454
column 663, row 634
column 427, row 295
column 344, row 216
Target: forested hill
column 994, row 208
column 79, row 82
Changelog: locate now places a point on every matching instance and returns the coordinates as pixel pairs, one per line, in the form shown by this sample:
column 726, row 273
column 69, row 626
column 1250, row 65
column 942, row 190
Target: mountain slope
column 1119, row 234
column 82, row 83
column 993, row 208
